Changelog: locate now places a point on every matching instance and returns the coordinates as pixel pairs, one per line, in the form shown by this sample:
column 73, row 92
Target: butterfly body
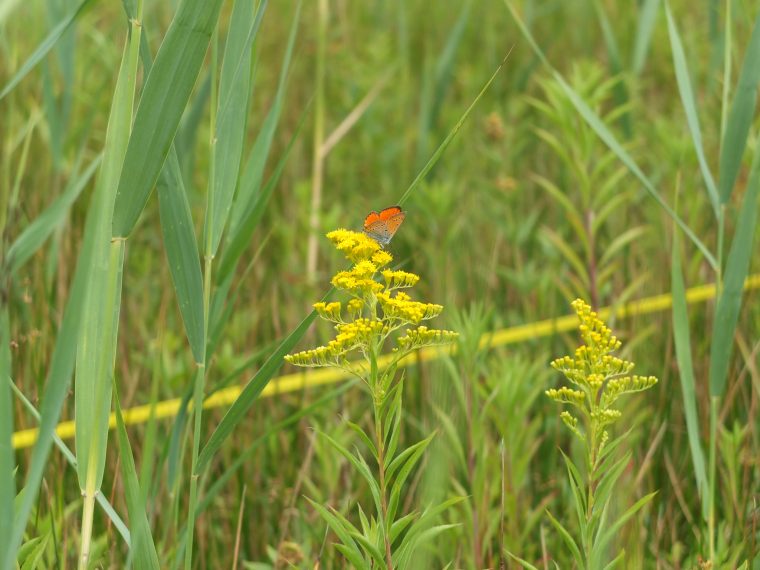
column 382, row 226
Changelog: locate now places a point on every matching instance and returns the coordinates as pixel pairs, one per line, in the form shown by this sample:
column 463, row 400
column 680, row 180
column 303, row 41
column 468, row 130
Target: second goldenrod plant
column 598, row 379
column 378, row 313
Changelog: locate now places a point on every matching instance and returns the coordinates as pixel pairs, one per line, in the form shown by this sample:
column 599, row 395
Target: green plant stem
column 377, row 402
column 88, row 510
column 200, row 373
column 198, row 389
column 712, row 473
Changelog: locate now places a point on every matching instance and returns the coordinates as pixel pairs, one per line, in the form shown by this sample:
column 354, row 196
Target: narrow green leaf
column 45, row 46
column 164, row 97
column 647, row 20
column 182, row 252
column 568, row 540
column 410, row 455
column 614, row 528
column 690, row 106
column 243, row 232
column 449, row 137
column 33, row 236
column 603, row 132
column 686, row 370
column 72, row 460
column 7, row 455
column 740, row 117
column 57, row 385
column 248, row 197
column 730, row 299
column 354, row 554
column 143, row 549
column 364, row 437
column 361, row 466
column 251, row 392
column 234, row 93
column 523, row 562
column 370, row 548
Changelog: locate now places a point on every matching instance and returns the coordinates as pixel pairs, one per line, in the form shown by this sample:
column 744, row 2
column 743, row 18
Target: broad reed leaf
column 686, row 372
column 690, row 106
column 740, row 117
column 44, row 47
column 243, row 232
column 32, row 238
column 604, row 133
column 7, row 455
column 182, row 252
column 143, row 549
column 730, row 299
column 251, row 392
column 234, row 92
column 96, row 347
column 248, row 197
column 164, row 97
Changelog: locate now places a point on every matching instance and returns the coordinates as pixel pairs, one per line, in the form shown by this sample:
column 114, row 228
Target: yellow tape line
column 317, row 377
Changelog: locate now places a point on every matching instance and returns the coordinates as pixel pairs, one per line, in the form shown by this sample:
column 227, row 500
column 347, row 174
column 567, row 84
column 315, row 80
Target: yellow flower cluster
column 399, row 279
column 401, row 307
column 351, row 336
column 600, row 377
column 423, row 336
column 375, row 309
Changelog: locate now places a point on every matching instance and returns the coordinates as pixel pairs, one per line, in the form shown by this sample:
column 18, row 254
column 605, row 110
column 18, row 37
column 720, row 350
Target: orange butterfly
column 382, row 226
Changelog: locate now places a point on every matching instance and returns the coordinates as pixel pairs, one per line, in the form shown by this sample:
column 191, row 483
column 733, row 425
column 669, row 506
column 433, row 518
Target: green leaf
column 370, row 548
column 338, row 526
column 32, row 238
column 234, row 93
column 363, row 436
column 44, row 47
column 361, row 466
column 576, row 484
column 690, row 106
column 251, row 392
column 519, row 560
column 247, row 198
column 164, row 97
column 243, row 232
column 613, row 529
column 143, row 549
column 7, row 455
column 730, row 299
column 182, row 253
column 568, row 540
column 740, row 117
column 406, row 459
column 647, row 20
column 686, row 370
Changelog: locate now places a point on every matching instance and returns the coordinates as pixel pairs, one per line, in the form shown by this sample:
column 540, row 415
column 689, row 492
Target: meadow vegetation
column 175, row 179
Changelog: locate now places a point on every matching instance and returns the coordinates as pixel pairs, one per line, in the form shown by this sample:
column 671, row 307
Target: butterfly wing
column 383, row 225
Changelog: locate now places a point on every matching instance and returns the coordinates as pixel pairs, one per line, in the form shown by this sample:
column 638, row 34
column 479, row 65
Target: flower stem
column 377, row 402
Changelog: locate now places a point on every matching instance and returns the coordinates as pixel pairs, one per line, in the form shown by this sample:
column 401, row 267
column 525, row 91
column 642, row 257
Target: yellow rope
column 318, row 377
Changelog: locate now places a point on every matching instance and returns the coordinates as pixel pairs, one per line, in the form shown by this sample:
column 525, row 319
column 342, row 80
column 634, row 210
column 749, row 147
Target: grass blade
column 450, row 137
column 686, row 373
column 248, row 197
column 143, row 549
column 601, row 130
column 234, row 92
column 7, row 455
column 32, row 238
column 182, row 252
column 690, row 106
column 730, row 299
column 164, row 97
column 42, row 50
column 647, row 20
column 740, row 117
